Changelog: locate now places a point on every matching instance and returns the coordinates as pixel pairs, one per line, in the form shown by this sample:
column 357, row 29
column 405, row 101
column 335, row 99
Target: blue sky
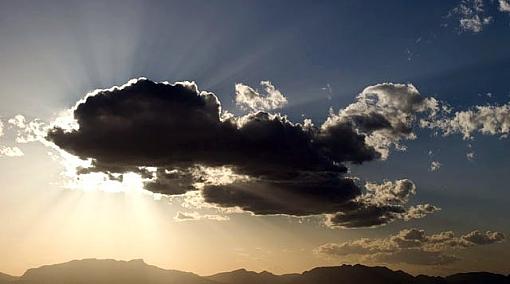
column 301, row 47
column 319, row 54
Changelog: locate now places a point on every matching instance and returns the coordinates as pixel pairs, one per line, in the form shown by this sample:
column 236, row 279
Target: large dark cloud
column 166, row 131
column 158, row 124
column 148, row 124
column 298, row 194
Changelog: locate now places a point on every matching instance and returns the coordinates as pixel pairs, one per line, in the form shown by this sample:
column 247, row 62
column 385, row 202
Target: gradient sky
column 318, row 54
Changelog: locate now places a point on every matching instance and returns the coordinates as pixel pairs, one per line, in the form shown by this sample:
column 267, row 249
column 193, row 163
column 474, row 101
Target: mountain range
column 96, row 271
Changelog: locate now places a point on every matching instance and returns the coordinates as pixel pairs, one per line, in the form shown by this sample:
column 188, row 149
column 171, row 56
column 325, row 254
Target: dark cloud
column 479, row 238
column 166, row 132
column 379, row 205
column 370, row 122
column 366, row 215
column 341, row 142
column 147, row 124
column 170, row 182
column 299, row 194
column 163, row 125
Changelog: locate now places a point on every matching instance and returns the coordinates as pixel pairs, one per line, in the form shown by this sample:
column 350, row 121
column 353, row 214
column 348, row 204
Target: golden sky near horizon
column 266, row 135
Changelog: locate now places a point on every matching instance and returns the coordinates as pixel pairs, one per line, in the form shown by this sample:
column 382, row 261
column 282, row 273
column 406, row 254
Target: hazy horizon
column 208, row 136
column 142, row 262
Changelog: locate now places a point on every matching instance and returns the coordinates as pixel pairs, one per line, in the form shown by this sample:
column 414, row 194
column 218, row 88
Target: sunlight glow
column 130, row 182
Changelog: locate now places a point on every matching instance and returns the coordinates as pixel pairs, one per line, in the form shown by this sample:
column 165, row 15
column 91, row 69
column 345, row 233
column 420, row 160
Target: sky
column 206, row 136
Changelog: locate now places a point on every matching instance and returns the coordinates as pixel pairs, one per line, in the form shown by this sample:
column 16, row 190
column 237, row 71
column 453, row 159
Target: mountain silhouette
column 249, row 277
column 5, row 278
column 94, row 271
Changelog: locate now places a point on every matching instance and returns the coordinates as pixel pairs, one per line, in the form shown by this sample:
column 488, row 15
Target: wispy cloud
column 471, row 15
column 195, row 216
column 10, row 151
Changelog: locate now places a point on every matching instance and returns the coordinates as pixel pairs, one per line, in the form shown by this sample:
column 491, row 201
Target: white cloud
column 18, row 121
column 504, row 6
column 195, row 216
column 388, row 192
column 385, row 113
column 412, row 246
column 10, row 151
column 29, row 131
column 419, row 211
column 7, row 150
column 474, row 23
column 488, row 120
column 435, row 165
column 471, row 15
column 250, row 99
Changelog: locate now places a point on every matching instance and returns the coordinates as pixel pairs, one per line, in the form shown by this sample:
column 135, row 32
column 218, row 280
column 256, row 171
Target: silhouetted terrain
column 250, row 277
column 6, row 278
column 90, row 271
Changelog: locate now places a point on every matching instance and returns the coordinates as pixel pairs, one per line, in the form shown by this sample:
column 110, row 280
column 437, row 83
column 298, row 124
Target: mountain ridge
column 109, row 271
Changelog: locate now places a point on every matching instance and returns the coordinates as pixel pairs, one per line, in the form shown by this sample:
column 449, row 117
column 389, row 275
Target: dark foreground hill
column 92, row 271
